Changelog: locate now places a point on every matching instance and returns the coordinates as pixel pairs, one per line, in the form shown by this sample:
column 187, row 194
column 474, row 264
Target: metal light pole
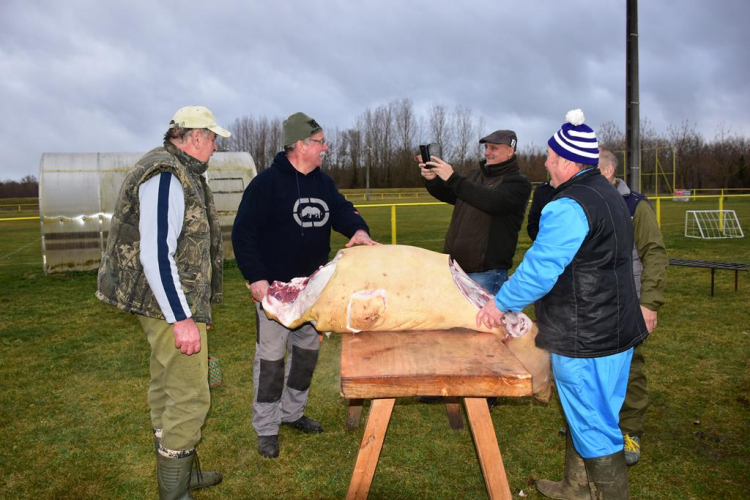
column 633, row 120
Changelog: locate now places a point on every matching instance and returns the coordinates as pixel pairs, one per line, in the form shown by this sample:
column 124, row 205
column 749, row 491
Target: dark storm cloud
column 107, row 76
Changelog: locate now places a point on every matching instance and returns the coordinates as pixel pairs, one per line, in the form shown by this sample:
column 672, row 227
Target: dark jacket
column 593, row 311
column 283, row 225
column 489, row 207
column 543, row 194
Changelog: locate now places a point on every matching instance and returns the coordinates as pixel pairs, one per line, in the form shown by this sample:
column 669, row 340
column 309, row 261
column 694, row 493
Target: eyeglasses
column 322, row 142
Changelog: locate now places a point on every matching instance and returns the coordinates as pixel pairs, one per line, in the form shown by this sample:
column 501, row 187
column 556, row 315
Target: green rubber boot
column 608, row 476
column 173, row 475
column 575, row 484
column 198, row 478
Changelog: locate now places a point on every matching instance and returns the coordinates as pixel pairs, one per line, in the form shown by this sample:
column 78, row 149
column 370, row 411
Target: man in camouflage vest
column 163, row 262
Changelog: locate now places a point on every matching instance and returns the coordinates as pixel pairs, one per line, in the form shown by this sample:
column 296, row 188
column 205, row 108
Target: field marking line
column 19, row 249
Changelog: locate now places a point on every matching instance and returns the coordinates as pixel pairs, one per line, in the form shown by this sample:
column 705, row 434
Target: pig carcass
column 398, row 287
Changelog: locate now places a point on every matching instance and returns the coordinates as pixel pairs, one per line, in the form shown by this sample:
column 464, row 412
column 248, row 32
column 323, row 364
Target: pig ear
column 366, row 310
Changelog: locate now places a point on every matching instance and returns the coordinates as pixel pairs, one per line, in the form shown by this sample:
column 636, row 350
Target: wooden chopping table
column 383, row 366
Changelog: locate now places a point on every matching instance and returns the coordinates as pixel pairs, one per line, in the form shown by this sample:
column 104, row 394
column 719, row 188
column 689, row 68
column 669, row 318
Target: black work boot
column 574, row 485
column 173, row 476
column 268, row 446
column 198, row 478
column 608, row 477
column 306, row 425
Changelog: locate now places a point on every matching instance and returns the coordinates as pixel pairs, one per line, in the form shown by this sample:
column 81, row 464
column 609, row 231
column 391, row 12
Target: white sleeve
column 162, row 213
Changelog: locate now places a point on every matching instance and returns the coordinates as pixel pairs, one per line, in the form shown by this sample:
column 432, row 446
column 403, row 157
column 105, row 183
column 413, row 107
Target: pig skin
column 398, row 287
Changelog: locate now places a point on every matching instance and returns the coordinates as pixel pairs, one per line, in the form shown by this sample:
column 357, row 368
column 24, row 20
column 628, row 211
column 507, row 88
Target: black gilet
column 593, row 310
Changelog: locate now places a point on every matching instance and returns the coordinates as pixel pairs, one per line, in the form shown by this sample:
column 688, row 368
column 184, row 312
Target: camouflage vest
column 199, row 256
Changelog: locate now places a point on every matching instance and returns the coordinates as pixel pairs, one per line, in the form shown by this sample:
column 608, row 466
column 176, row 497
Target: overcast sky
column 106, row 76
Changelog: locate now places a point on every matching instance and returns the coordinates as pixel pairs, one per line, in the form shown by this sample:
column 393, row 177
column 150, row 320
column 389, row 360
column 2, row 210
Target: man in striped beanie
column 579, row 271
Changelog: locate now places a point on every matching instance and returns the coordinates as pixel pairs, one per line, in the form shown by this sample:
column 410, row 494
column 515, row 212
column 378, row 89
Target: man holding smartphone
column 490, row 202
column 489, row 205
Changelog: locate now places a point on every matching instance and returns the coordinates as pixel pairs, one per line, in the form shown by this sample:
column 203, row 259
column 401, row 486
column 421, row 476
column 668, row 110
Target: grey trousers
column 280, row 392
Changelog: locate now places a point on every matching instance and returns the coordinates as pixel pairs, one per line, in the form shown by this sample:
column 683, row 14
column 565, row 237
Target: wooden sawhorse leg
column 353, row 413
column 369, row 449
column 488, row 450
column 453, row 408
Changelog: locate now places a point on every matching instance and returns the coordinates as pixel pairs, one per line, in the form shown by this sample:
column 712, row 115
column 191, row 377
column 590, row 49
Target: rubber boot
column 575, row 485
column 198, row 478
column 608, row 477
column 173, row 475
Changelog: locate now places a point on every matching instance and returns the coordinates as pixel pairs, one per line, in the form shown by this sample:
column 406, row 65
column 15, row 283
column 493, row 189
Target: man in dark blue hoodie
column 283, row 230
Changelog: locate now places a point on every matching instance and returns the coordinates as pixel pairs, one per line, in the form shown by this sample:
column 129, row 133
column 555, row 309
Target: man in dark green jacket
column 650, row 263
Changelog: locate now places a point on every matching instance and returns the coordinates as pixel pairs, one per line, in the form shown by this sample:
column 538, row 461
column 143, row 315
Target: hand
column 361, row 238
column 187, row 337
column 440, row 168
column 649, row 317
column 490, row 315
column 427, row 173
column 258, row 289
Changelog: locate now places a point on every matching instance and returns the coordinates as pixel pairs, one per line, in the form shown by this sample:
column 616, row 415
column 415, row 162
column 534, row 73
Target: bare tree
column 611, row 135
column 465, row 136
column 479, row 151
column 440, row 130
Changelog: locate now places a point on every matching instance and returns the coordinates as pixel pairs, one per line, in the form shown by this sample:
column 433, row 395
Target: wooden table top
column 457, row 362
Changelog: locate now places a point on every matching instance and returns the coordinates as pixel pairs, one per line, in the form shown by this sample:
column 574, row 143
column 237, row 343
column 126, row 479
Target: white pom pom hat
column 575, row 140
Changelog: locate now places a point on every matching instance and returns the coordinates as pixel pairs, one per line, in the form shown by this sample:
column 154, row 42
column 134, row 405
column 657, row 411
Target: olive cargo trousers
column 633, row 411
column 178, row 394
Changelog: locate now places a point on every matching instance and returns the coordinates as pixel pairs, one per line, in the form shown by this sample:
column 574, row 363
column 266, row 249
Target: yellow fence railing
column 656, row 200
column 17, row 207
column 393, row 213
column 393, row 206
column 721, row 197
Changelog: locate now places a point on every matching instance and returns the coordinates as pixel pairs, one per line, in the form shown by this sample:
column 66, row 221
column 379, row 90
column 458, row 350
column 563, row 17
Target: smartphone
column 424, row 150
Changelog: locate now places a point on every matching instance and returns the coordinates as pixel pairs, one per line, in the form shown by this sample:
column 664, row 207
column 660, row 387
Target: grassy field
column 75, row 373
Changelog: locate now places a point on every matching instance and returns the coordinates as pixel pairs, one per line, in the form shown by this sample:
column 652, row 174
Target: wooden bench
column 383, row 366
column 713, row 265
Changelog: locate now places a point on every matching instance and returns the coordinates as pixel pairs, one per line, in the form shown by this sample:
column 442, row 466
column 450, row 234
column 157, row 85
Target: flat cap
column 501, row 137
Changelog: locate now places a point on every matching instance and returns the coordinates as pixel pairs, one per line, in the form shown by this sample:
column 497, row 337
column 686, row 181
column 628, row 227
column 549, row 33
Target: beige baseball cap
column 197, row 117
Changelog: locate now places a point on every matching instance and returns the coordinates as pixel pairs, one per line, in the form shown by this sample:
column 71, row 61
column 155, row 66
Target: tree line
column 28, row 187
column 383, row 143
column 385, row 139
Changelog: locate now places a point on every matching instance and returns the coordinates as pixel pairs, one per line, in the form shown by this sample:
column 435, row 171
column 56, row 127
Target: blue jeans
column 490, row 280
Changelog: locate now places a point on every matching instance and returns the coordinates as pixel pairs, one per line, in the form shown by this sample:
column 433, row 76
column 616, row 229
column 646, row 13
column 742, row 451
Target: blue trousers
column 591, row 392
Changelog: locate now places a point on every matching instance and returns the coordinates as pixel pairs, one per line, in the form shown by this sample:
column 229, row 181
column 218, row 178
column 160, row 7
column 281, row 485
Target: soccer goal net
column 712, row 224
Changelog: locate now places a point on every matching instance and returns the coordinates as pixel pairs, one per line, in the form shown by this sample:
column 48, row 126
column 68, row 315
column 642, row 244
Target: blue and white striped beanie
column 575, row 141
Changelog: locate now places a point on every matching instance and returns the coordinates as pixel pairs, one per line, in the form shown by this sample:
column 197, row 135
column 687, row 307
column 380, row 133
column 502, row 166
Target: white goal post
column 712, row 224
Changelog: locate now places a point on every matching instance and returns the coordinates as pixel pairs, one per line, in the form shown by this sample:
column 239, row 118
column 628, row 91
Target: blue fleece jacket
column 283, row 225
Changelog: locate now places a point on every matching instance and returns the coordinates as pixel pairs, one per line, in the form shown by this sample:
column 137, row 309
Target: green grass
column 75, row 372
